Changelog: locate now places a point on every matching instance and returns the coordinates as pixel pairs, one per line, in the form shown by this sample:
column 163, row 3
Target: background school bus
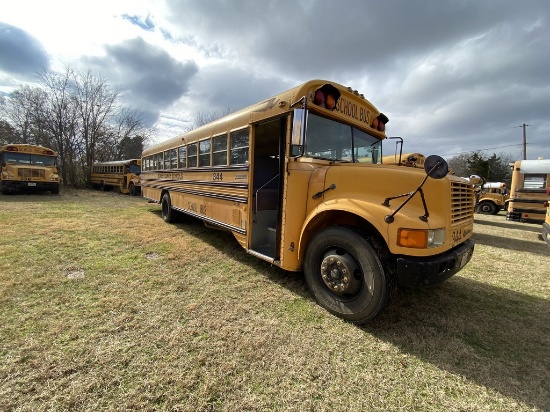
column 530, row 181
column 493, row 198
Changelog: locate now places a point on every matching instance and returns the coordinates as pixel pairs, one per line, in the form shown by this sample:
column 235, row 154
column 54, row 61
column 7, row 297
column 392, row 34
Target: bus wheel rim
column 340, row 273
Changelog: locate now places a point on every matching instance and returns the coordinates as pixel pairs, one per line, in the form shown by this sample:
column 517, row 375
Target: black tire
column 132, row 189
column 55, row 191
column 168, row 214
column 487, row 208
column 102, row 186
column 358, row 298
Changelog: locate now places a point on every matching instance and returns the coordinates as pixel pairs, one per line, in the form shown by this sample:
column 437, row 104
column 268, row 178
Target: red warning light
column 326, row 96
column 379, row 122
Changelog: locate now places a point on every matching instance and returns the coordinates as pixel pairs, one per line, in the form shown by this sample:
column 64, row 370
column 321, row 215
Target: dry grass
column 105, row 307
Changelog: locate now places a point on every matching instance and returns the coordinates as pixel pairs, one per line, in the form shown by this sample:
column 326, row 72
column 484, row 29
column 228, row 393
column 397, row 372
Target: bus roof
column 493, row 185
column 533, row 166
column 117, row 162
column 350, row 109
column 28, row 148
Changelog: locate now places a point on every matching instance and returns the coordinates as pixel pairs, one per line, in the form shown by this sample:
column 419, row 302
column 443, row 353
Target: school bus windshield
column 28, row 159
column 331, row 140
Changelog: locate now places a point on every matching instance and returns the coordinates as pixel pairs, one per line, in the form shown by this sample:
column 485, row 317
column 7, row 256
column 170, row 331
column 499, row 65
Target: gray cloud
column 149, row 77
column 21, row 54
column 225, row 87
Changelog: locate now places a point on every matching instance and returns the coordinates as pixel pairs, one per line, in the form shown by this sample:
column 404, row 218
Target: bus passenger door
column 267, row 166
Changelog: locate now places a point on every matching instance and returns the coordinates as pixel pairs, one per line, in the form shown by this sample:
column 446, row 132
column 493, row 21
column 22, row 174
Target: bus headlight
column 54, row 178
column 420, row 238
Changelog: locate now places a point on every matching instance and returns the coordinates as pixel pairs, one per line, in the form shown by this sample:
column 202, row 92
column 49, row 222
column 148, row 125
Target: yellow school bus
column 530, row 180
column 406, row 159
column 298, row 180
column 27, row 167
column 119, row 175
column 493, row 198
column 546, row 224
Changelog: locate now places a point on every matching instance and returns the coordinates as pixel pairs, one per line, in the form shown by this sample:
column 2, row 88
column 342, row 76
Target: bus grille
column 462, row 202
column 27, row 172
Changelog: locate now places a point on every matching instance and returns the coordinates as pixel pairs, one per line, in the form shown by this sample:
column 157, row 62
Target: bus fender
column 370, row 212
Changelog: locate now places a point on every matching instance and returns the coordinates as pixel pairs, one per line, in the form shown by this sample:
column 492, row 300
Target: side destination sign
column 351, row 109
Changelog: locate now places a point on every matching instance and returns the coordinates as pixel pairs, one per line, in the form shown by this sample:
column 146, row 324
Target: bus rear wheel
column 487, row 208
column 168, row 214
column 132, row 189
column 345, row 275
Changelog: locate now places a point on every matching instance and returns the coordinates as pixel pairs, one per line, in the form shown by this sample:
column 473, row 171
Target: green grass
column 103, row 306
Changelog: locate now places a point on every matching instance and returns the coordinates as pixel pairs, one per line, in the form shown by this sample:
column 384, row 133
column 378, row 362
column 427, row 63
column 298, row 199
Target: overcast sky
column 452, row 76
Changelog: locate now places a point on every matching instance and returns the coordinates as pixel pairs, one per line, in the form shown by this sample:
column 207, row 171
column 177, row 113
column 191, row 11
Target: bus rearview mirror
column 436, row 167
column 298, row 133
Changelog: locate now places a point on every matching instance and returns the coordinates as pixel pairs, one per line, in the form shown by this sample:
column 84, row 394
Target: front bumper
column 413, row 272
column 20, row 185
column 546, row 232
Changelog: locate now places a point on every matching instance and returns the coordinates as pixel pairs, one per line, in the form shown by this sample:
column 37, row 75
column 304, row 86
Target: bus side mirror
column 298, row 133
column 436, row 167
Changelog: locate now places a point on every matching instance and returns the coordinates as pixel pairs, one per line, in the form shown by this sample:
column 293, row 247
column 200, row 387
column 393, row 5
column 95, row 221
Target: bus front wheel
column 345, row 275
column 487, row 208
column 168, row 214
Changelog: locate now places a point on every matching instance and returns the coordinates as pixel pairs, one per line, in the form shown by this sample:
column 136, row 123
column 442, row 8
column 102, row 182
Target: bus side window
column 238, row 141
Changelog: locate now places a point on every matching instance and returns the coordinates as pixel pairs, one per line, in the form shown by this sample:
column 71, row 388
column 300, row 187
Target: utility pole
column 524, row 142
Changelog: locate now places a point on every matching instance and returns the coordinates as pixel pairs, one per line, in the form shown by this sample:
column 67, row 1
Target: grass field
column 103, row 306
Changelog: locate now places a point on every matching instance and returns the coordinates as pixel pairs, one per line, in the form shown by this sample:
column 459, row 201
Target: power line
column 481, row 150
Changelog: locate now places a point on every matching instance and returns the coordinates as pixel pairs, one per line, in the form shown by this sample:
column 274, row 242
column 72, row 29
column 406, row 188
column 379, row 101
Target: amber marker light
column 412, row 238
column 420, row 238
column 330, row 102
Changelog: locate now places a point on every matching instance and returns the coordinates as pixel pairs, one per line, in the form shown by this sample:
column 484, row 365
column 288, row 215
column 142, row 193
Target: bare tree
column 459, row 164
column 61, row 118
column 24, row 109
column 95, row 104
column 131, row 133
column 8, row 134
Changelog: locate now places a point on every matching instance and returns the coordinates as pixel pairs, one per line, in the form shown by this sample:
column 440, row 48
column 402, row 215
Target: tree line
column 495, row 168
column 79, row 115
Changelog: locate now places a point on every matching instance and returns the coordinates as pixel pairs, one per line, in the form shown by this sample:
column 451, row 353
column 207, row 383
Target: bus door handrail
column 258, row 191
